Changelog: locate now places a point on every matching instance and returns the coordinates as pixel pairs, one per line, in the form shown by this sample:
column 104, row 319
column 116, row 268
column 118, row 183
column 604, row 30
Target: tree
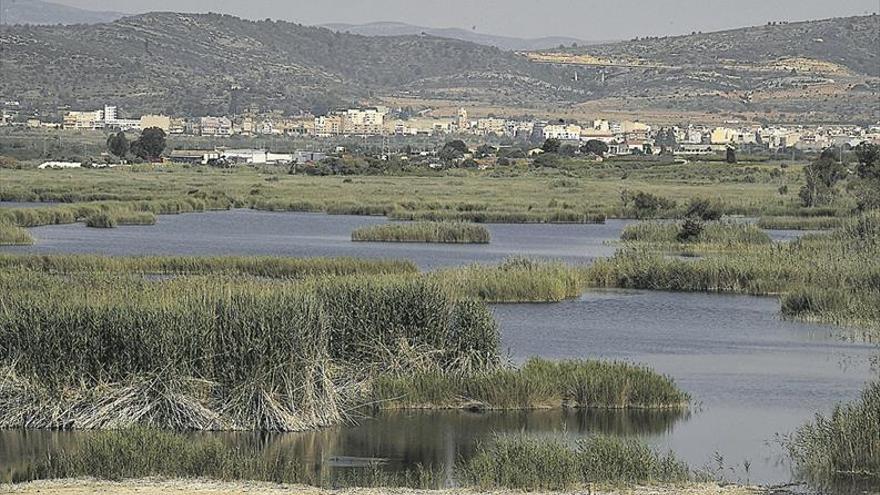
column 485, row 151
column 568, row 150
column 666, row 140
column 150, row 145
column 821, row 177
column 869, row 161
column 551, row 145
column 731, row 155
column 866, row 188
column 595, row 147
column 118, row 144
column 453, row 150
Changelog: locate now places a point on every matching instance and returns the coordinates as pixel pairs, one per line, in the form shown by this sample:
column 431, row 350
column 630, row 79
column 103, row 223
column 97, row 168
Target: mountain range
column 38, row 12
column 197, row 64
column 502, row 42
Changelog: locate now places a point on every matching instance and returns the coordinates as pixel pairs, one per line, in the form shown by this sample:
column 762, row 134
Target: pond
column 752, row 375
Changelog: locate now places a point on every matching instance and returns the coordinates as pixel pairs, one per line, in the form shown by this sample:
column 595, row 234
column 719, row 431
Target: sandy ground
column 178, row 487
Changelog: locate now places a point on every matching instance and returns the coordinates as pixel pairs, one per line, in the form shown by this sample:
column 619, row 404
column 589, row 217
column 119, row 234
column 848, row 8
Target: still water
column 752, row 375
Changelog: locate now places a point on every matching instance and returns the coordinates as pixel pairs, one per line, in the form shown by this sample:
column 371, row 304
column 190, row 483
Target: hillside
column 826, row 69
column 852, row 42
column 502, row 42
column 198, row 64
column 211, row 63
column 37, row 12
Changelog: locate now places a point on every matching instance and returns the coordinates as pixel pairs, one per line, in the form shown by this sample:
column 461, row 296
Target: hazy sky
column 585, row 19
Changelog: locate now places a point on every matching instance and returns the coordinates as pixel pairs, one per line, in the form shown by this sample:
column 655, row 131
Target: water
column 253, row 232
column 753, row 375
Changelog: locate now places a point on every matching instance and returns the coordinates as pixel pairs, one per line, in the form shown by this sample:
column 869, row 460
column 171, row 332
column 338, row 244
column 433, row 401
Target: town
column 617, row 138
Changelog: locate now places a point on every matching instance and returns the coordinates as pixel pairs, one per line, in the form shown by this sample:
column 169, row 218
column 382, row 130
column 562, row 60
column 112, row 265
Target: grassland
column 425, row 232
column 572, row 191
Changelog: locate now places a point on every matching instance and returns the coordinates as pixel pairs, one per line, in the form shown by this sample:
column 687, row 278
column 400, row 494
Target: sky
column 584, row 19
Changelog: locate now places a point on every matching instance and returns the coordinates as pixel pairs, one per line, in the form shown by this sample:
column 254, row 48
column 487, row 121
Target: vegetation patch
column 691, row 231
column 147, row 453
column 254, row 266
column 433, row 232
column 525, row 462
column 13, row 235
column 833, row 277
column 799, row 223
column 843, row 446
column 101, row 220
column 539, row 384
column 515, row 280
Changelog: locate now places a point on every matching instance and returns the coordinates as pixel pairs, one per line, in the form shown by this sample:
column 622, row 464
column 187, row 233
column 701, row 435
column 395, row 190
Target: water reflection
column 398, row 440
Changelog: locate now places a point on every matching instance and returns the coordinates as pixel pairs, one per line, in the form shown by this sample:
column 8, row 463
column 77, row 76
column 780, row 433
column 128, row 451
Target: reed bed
column 135, row 218
column 101, row 220
column 831, row 277
column 13, row 235
column 799, row 223
column 516, row 280
column 109, row 350
column 393, row 323
column 146, row 453
column 843, row 446
column 539, row 384
column 523, row 462
column 426, row 232
column 491, row 216
column 231, row 359
column 709, row 233
column 263, row 267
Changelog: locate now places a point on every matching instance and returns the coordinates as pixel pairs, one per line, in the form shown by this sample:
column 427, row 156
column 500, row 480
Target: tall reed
column 538, row 384
column 842, row 446
column 523, row 462
column 436, row 232
column 266, row 267
column 13, row 235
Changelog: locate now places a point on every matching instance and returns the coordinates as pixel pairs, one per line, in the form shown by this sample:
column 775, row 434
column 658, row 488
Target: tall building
column 463, row 122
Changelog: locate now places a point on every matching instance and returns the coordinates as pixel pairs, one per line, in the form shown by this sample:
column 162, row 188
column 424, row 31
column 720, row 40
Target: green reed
column 524, row 462
column 536, row 385
column 842, row 446
column 13, row 235
column 431, row 232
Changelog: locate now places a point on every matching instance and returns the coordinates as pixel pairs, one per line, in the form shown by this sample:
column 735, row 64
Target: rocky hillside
column 202, row 63
column 197, row 64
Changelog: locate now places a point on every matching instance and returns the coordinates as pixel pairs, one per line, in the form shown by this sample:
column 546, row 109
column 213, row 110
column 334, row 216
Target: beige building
column 491, row 126
column 161, row 121
column 328, row 125
column 83, row 120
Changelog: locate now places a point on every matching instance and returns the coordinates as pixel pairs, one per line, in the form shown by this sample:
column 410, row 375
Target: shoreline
column 153, row 486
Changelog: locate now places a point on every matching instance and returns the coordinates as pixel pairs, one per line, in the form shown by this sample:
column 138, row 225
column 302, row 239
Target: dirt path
column 180, row 487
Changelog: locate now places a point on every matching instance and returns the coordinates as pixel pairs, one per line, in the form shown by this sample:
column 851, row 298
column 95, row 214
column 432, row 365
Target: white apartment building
column 563, row 132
